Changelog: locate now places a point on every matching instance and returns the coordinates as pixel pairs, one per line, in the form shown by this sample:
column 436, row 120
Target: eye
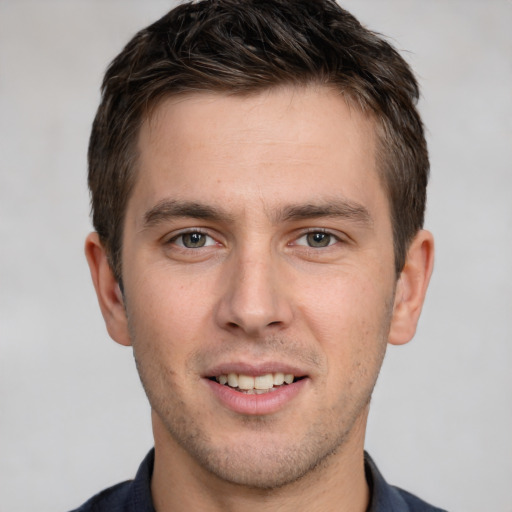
column 193, row 240
column 317, row 239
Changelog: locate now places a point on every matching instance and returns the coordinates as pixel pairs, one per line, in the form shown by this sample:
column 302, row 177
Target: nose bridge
column 254, row 299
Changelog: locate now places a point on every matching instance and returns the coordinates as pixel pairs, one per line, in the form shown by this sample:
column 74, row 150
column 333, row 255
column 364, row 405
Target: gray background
column 73, row 417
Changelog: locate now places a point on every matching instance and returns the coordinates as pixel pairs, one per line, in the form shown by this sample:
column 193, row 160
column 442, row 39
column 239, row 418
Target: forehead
column 301, row 143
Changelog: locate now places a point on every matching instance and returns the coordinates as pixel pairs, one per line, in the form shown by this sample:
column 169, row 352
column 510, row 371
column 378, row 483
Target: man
column 258, row 174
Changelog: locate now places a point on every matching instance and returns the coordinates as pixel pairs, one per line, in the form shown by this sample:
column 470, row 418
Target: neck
column 338, row 483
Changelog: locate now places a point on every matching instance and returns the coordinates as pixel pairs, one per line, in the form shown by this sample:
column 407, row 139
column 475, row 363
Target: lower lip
column 254, row 405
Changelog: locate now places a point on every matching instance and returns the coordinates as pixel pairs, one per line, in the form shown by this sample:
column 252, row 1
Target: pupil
column 192, row 240
column 319, row 239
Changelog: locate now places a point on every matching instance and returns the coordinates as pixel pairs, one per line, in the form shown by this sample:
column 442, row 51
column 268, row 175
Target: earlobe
column 412, row 288
column 108, row 292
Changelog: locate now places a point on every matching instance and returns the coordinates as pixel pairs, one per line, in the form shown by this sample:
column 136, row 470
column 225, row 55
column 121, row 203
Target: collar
column 383, row 497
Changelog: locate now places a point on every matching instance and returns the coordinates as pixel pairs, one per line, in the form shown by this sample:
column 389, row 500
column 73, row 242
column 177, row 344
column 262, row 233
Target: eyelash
column 333, row 239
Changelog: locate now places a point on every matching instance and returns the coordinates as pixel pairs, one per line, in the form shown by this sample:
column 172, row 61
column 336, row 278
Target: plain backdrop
column 73, row 416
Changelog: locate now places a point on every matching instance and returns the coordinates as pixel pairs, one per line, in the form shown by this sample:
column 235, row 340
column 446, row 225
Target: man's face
column 258, row 243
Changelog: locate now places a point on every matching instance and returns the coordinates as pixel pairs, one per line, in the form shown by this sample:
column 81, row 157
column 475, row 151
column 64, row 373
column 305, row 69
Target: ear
column 412, row 288
column 107, row 289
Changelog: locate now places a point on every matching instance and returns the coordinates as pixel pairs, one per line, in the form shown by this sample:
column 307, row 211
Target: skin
column 268, row 175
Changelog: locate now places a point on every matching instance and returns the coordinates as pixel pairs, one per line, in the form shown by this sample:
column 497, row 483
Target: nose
column 255, row 297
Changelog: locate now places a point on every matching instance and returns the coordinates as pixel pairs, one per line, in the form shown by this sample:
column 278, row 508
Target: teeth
column 264, row 381
column 258, row 391
column 255, row 385
column 245, row 382
column 278, row 379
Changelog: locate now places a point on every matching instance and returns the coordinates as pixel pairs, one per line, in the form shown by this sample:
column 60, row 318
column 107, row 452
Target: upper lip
column 254, row 369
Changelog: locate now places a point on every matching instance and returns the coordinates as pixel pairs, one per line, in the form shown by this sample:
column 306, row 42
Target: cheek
column 345, row 300
column 165, row 298
column 162, row 333
column 164, row 320
column 349, row 317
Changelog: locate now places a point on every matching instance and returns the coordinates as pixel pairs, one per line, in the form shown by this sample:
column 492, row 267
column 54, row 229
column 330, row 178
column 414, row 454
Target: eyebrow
column 168, row 209
column 337, row 208
column 172, row 208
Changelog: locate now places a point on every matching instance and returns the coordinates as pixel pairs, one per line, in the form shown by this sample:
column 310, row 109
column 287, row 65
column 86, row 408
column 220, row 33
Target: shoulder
column 112, row 499
column 130, row 496
column 415, row 504
column 388, row 498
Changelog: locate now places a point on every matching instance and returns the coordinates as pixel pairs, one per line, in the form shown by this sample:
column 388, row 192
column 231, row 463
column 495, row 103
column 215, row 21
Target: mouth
column 256, row 385
column 256, row 389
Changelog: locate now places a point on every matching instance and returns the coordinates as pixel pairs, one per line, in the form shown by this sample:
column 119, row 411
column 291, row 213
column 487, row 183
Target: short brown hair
column 242, row 47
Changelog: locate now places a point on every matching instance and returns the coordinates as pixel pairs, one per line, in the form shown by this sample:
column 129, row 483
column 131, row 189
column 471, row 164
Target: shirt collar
column 383, row 497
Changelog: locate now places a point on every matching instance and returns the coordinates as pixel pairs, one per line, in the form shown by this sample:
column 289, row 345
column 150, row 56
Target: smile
column 256, row 389
column 257, row 385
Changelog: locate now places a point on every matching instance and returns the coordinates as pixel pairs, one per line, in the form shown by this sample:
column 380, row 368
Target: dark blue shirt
column 135, row 495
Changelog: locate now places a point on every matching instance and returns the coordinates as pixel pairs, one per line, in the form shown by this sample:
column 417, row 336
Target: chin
column 264, row 469
column 255, row 459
